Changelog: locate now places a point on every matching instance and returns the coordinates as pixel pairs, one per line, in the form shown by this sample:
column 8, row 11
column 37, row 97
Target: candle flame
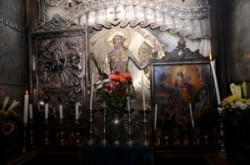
column 210, row 56
column 26, row 92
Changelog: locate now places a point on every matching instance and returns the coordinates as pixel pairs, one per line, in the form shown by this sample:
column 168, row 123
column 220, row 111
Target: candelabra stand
column 61, row 133
column 24, row 137
column 145, row 121
column 31, row 132
column 104, row 140
column 91, row 140
column 129, row 142
column 77, row 132
column 221, row 137
column 46, row 139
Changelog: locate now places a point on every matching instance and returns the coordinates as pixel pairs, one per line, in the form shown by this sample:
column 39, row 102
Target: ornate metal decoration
column 60, row 63
column 53, row 2
column 55, row 23
column 192, row 22
column 181, row 53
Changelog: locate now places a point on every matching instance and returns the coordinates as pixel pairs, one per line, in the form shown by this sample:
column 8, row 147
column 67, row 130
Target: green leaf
column 244, row 88
column 5, row 102
column 13, row 105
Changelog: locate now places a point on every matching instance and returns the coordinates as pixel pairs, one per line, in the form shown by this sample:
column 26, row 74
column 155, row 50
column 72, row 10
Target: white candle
column 61, row 111
column 155, row 122
column 91, row 92
column 34, row 95
column 46, row 111
column 212, row 63
column 143, row 93
column 77, row 110
column 128, row 104
column 31, row 111
column 25, row 110
column 191, row 114
column 33, row 64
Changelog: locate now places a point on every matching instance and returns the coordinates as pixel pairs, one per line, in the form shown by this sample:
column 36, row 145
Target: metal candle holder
column 104, row 141
column 46, row 139
column 91, row 140
column 221, row 138
column 145, row 142
column 31, row 132
column 24, row 137
column 130, row 142
column 61, row 133
column 77, row 133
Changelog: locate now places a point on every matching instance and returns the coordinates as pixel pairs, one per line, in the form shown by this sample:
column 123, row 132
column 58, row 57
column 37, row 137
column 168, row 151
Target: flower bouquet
column 8, row 116
column 236, row 101
column 236, row 112
column 113, row 90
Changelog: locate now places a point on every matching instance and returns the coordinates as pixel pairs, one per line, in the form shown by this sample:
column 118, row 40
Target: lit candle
column 191, row 114
column 61, row 111
column 143, row 93
column 155, row 122
column 25, row 110
column 31, row 111
column 46, row 111
column 212, row 63
column 77, row 110
column 91, row 92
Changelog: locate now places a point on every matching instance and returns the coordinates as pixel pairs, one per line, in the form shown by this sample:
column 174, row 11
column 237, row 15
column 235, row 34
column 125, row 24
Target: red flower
column 113, row 89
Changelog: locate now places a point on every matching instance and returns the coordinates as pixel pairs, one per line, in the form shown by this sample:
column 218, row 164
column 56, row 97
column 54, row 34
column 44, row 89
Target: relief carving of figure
column 120, row 56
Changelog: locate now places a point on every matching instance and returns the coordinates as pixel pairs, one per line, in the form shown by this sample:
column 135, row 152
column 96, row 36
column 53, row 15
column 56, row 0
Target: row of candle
column 46, row 110
column 28, row 109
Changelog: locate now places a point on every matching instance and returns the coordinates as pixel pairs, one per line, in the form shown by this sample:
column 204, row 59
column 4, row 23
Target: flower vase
column 115, row 128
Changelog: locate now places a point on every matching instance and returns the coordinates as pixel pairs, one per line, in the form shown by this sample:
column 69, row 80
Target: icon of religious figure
column 120, row 56
column 127, row 49
column 186, row 79
column 179, row 87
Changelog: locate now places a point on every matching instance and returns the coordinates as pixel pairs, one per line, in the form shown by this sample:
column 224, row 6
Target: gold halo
column 117, row 31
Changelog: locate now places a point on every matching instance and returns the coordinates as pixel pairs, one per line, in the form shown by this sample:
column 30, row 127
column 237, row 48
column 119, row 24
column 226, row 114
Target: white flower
column 240, row 105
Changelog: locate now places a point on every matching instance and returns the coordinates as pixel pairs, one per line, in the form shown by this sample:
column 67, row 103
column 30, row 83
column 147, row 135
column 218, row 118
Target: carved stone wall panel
column 58, row 69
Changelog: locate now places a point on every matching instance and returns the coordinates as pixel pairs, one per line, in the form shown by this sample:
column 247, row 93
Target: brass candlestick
column 31, row 132
column 221, row 138
column 24, row 137
column 77, row 133
column 91, row 140
column 130, row 142
column 104, row 141
column 61, row 133
column 46, row 139
column 145, row 133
